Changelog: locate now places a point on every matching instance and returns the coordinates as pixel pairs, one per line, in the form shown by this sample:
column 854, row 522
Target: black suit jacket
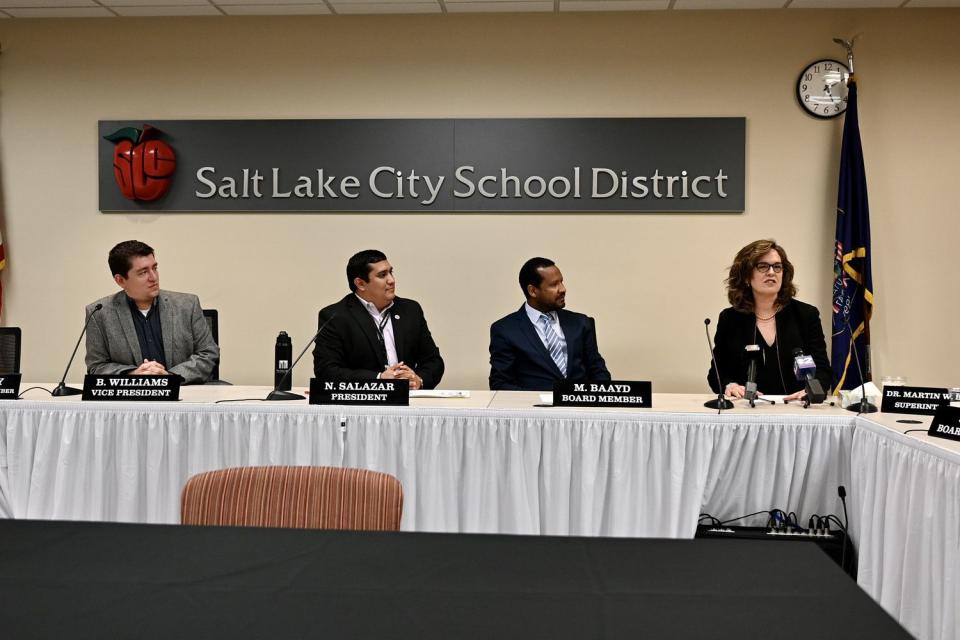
column 349, row 348
column 798, row 326
column 520, row 362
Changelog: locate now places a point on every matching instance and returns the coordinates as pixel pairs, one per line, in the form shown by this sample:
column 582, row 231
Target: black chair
column 9, row 349
column 213, row 322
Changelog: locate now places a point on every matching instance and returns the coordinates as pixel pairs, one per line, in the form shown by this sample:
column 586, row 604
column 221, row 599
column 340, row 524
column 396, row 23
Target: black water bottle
column 282, row 355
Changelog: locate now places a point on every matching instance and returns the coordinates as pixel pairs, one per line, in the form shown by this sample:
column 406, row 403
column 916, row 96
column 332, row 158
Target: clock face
column 822, row 88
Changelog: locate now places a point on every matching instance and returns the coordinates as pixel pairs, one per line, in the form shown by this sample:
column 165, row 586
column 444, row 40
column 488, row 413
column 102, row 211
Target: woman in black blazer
column 763, row 312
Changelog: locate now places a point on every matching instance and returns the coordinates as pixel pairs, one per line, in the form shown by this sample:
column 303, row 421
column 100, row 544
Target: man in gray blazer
column 144, row 330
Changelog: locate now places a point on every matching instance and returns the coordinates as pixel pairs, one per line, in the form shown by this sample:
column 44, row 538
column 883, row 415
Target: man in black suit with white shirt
column 373, row 334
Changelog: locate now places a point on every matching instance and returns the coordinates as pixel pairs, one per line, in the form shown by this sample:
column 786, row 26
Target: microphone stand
column 719, row 403
column 751, row 387
column 62, row 389
column 276, row 394
column 864, row 406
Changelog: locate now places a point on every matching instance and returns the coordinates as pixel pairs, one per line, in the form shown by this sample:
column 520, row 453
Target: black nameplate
column 9, row 386
column 946, row 423
column 922, row 401
column 131, row 388
column 377, row 393
column 614, row 393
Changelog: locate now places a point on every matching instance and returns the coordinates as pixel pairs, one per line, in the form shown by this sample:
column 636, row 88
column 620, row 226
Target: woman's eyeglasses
column 764, row 267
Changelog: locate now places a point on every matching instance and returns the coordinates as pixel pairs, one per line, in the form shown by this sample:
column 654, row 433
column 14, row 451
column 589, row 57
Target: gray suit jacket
column 189, row 349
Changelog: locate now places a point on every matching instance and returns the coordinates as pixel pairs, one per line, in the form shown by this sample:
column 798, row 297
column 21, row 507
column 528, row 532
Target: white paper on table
column 439, row 393
column 546, row 398
column 767, row 398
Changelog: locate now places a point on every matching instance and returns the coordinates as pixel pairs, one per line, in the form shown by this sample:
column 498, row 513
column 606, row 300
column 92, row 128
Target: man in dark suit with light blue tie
column 542, row 343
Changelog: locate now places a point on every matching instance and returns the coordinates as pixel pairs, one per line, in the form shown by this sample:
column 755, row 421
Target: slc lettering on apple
column 143, row 165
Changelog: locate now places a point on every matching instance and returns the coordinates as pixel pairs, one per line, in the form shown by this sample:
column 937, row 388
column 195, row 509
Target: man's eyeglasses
column 764, row 267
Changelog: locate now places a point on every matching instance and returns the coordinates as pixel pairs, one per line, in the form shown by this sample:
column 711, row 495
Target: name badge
column 922, row 401
column 946, row 423
column 377, row 393
column 131, row 388
column 615, row 393
column 9, row 386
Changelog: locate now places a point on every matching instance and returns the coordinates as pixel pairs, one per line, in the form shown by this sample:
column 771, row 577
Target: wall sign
column 562, row 164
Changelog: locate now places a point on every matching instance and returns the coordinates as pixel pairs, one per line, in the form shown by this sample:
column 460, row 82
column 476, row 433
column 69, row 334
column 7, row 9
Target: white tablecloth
column 908, row 517
column 499, row 465
column 462, row 470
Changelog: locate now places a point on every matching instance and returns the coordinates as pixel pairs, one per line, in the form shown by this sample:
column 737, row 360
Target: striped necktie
column 554, row 345
column 381, row 325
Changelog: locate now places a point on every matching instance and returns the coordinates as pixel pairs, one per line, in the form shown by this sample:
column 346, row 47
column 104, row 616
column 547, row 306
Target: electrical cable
column 749, row 515
column 713, row 521
column 843, row 544
column 31, row 389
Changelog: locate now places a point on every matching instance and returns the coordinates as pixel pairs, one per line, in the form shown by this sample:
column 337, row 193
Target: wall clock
column 822, row 88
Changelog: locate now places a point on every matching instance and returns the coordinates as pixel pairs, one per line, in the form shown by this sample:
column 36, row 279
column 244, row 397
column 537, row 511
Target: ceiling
column 115, row 8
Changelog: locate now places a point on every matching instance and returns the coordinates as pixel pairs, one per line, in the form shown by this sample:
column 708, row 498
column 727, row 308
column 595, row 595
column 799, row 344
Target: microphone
column 864, row 406
column 804, row 368
column 842, row 492
column 753, row 351
column 720, row 403
column 62, row 389
column 276, row 394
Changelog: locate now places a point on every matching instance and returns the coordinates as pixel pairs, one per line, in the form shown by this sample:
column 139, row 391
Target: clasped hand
column 149, row 368
column 400, row 371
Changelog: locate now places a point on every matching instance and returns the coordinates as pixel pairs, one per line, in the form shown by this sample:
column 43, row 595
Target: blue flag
column 852, row 278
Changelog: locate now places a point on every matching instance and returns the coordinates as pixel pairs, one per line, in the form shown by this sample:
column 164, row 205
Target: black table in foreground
column 102, row 580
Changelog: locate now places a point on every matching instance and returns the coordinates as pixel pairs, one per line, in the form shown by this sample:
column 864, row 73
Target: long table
column 495, row 463
column 99, row 580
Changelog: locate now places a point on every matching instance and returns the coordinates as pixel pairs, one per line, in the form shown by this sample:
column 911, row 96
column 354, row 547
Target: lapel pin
column 396, row 316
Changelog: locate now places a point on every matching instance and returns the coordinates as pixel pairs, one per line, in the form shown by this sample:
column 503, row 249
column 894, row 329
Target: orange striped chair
column 293, row 498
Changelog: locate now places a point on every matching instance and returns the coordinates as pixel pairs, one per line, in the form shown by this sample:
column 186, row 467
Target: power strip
column 832, row 542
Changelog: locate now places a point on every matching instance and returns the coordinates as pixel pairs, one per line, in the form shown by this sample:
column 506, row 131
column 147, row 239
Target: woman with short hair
column 764, row 312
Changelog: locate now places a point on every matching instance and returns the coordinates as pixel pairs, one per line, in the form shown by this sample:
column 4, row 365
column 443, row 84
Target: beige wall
column 648, row 279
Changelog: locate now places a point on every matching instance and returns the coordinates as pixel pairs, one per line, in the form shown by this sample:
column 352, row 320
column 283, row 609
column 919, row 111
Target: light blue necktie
column 554, row 345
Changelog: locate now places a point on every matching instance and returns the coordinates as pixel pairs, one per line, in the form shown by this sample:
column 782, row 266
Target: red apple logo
column 142, row 165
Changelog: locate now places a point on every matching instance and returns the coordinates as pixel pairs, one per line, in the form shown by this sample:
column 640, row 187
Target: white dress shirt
column 388, row 340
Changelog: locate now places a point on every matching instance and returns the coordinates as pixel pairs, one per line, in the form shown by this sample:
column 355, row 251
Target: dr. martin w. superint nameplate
column 922, row 401
column 131, row 388
column 612, row 393
column 384, row 393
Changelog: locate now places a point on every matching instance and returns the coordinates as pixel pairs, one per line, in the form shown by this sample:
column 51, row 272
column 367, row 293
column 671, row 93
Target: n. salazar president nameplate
column 614, row 393
column 131, row 388
column 384, row 393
